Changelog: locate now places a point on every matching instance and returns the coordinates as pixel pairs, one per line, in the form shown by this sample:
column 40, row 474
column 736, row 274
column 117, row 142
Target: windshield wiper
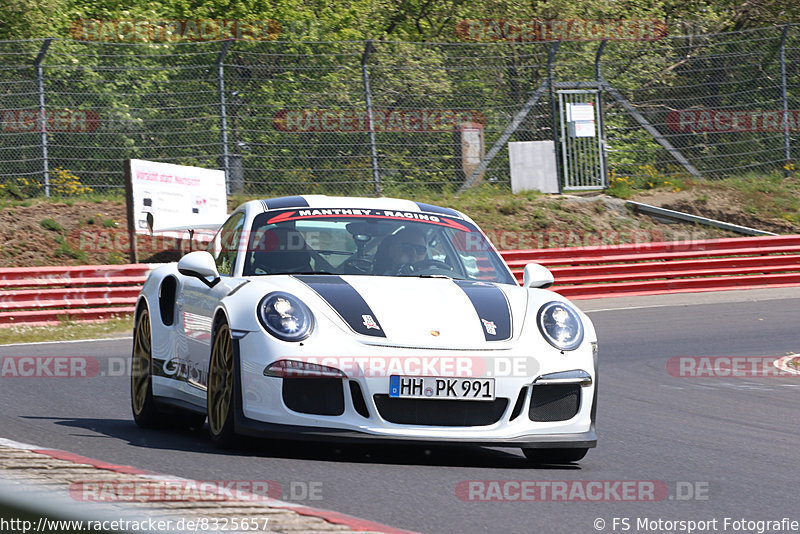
column 310, row 272
column 434, row 276
column 293, row 272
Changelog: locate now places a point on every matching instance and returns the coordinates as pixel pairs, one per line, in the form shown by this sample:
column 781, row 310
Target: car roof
column 324, row 201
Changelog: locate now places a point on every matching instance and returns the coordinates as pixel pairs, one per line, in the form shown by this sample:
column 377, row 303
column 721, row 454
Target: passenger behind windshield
column 406, row 247
column 378, row 246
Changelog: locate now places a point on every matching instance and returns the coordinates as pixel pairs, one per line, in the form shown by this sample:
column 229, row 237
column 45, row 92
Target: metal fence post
column 376, row 177
column 42, row 118
column 787, row 155
column 551, row 58
column 223, row 118
column 601, row 123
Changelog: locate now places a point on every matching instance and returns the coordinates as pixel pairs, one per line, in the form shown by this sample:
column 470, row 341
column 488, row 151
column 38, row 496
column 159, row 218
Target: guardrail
column 668, row 267
column 679, row 216
column 48, row 295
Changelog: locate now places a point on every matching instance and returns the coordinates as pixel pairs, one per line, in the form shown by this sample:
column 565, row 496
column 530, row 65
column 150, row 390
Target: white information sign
column 582, row 129
column 175, row 196
column 583, row 111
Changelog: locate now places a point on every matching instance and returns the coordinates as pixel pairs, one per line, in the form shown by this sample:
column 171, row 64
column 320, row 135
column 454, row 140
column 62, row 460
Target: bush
column 50, row 224
column 647, row 177
column 20, row 188
column 64, row 183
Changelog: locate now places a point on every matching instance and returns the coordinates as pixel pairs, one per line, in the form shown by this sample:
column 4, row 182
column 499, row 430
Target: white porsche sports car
column 316, row 317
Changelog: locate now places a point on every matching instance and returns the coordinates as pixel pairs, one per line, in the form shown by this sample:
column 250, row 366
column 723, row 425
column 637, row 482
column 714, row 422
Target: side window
column 436, row 247
column 226, row 244
column 440, row 248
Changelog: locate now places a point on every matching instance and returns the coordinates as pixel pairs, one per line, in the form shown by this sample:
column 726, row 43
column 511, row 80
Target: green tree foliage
column 28, row 19
column 405, row 20
column 154, row 104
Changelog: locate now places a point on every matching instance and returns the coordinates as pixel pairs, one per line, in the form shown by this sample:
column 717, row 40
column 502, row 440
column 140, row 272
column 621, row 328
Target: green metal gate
column 581, row 139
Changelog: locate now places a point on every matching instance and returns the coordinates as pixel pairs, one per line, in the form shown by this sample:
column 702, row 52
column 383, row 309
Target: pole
column 376, row 177
column 600, row 122
column 787, row 156
column 223, row 118
column 551, row 58
column 42, row 118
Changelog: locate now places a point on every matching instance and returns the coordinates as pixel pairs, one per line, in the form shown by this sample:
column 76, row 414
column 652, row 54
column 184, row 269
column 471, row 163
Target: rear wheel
column 221, row 389
column 146, row 412
column 143, row 405
column 554, row 456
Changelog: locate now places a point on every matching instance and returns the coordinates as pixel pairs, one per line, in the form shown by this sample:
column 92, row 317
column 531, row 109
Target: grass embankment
column 67, row 331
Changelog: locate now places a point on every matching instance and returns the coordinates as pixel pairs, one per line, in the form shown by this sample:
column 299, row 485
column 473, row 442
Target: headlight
column 560, row 325
column 285, row 317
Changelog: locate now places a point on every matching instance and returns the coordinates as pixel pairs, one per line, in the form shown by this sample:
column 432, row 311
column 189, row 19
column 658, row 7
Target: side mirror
column 536, row 275
column 199, row 264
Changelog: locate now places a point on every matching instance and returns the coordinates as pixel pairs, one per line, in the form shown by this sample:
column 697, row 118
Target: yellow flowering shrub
column 644, row 177
column 20, row 188
column 64, row 183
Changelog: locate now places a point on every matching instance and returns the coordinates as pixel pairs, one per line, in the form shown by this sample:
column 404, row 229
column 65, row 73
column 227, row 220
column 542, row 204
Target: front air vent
column 520, row 404
column 440, row 412
column 317, row 396
column 556, row 402
column 358, row 399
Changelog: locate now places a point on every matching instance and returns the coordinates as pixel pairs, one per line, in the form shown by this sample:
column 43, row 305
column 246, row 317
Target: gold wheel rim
column 220, row 380
column 140, row 366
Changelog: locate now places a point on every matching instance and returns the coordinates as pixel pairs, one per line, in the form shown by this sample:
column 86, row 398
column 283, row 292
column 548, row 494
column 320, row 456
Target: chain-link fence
column 388, row 117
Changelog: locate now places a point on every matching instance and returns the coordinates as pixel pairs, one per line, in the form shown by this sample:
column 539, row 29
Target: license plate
column 432, row 387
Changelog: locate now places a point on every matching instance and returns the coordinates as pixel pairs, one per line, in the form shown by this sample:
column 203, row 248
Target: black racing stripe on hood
column 345, row 301
column 286, row 202
column 492, row 308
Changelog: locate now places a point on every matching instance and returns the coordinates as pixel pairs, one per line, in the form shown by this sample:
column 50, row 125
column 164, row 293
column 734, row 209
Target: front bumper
column 249, row 427
column 261, row 411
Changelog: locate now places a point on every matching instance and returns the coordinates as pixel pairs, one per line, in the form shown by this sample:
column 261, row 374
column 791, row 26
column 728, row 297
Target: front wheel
column 221, row 389
column 554, row 456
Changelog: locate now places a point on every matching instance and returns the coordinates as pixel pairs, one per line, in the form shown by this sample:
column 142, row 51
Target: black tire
column 221, row 389
column 554, row 456
column 146, row 411
column 143, row 406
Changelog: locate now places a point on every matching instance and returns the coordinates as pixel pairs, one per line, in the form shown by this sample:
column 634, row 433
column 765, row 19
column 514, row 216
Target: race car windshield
column 370, row 242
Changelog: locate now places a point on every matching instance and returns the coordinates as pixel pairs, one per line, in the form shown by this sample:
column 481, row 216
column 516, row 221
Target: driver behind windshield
column 406, row 247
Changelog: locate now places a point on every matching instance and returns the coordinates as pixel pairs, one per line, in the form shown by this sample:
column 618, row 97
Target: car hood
column 412, row 311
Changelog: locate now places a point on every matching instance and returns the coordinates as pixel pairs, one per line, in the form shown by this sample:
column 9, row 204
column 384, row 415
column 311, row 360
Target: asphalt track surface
column 715, row 447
